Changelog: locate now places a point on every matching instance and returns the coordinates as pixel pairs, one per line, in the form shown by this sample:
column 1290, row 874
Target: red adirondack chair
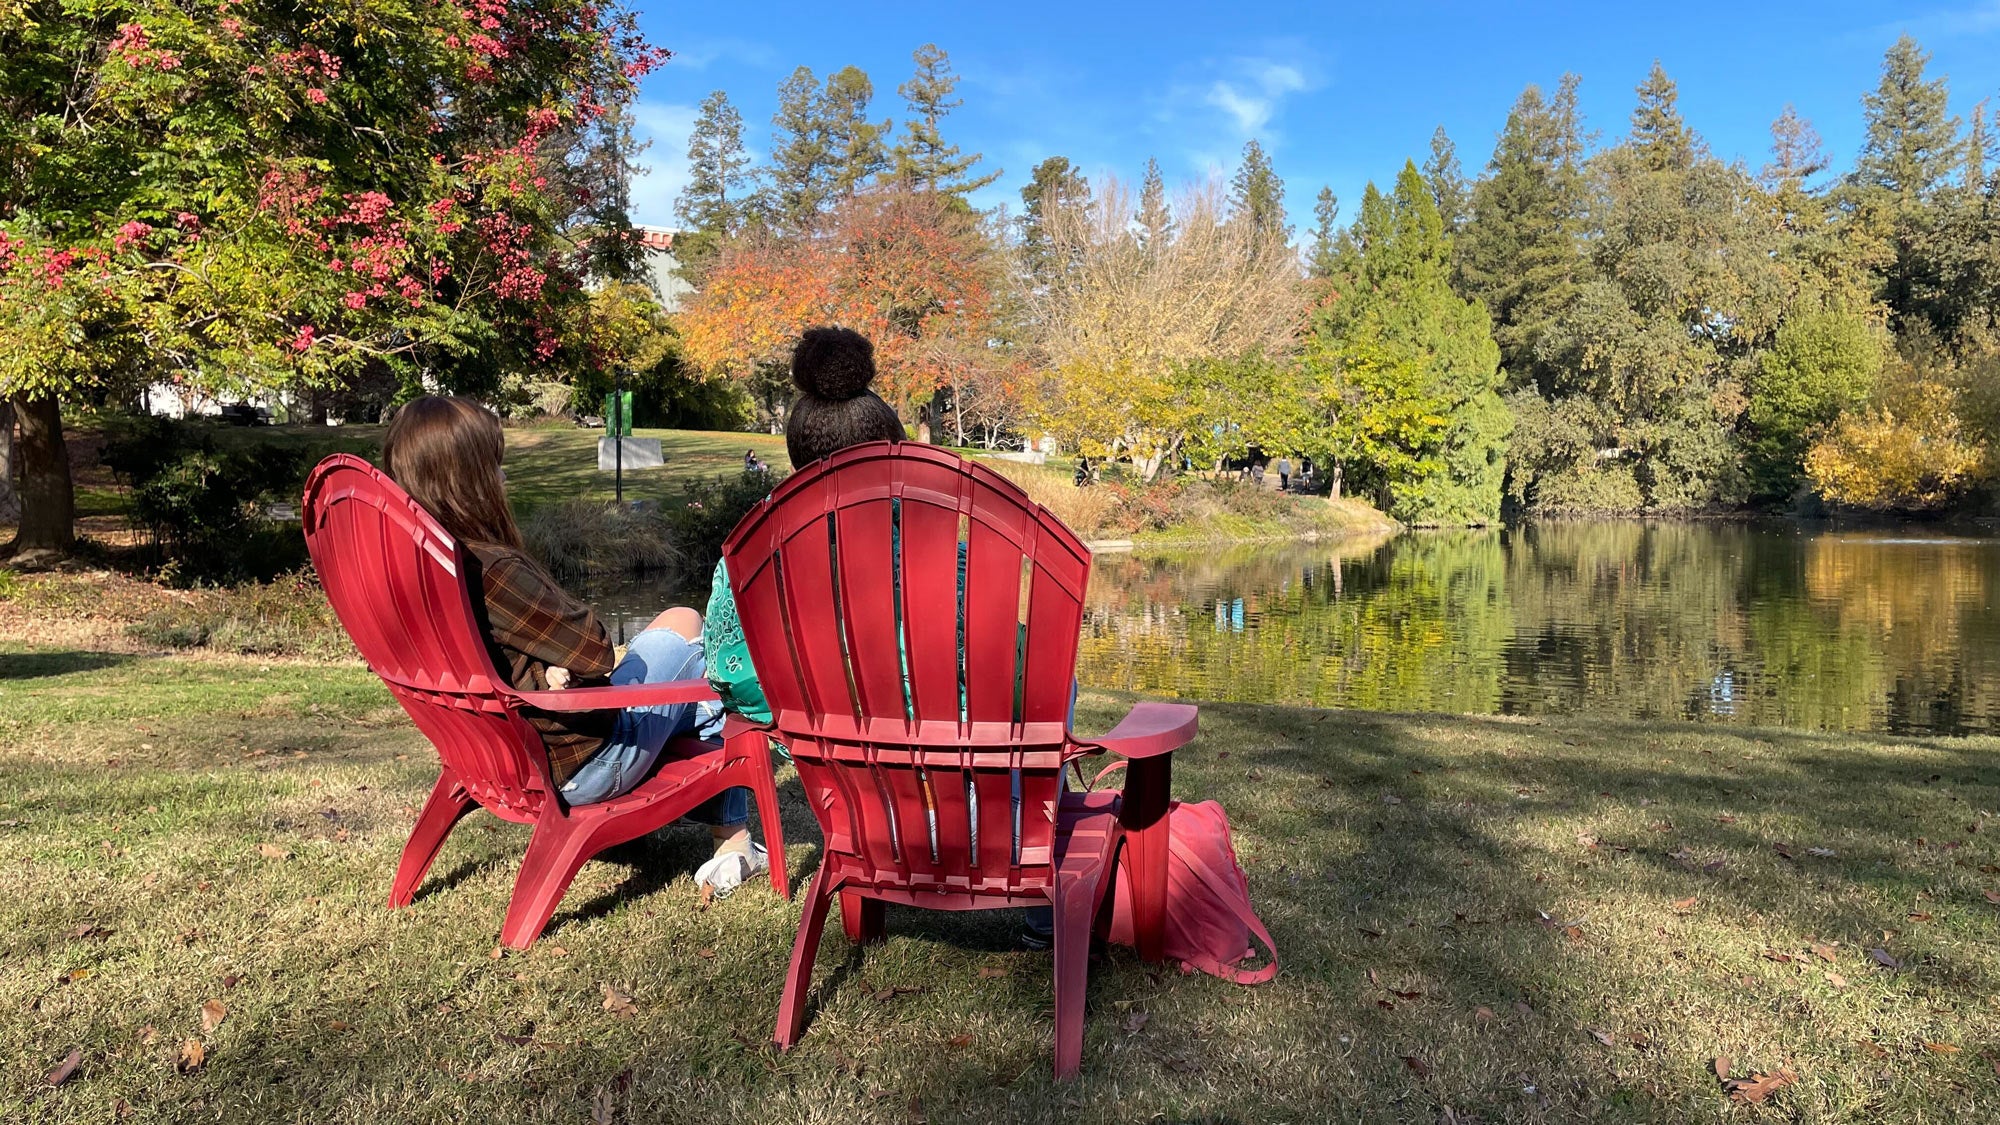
column 918, row 705
column 396, row 581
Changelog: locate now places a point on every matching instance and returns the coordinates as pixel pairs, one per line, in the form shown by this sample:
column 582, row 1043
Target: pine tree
column 1796, row 155
column 1056, row 185
column 1257, row 195
column 923, row 161
column 1447, row 180
column 1662, row 138
column 1323, row 259
column 711, row 203
column 1521, row 251
column 800, row 178
column 1912, row 143
column 1974, row 179
column 854, row 143
column 1156, row 220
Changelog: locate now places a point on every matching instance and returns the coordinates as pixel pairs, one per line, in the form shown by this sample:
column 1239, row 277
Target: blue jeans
column 656, row 656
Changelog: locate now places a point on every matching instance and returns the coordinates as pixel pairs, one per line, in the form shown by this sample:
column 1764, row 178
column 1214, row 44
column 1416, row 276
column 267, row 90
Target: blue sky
column 1340, row 94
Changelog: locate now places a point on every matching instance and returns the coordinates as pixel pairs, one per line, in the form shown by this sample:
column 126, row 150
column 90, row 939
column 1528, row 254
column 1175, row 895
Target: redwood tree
column 259, row 193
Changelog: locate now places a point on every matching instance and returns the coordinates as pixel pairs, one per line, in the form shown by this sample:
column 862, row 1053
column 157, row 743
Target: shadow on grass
column 41, row 665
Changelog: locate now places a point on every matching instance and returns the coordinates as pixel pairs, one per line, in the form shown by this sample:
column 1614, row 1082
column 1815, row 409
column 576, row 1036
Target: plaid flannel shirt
column 532, row 626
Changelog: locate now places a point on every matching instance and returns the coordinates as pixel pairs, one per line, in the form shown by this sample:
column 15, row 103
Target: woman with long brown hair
column 446, row 453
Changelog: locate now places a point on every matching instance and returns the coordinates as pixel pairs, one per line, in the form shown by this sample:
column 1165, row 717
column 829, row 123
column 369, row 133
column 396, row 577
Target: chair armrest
column 618, row 695
column 1147, row 731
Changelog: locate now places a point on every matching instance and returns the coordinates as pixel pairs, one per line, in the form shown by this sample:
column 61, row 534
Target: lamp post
column 618, row 435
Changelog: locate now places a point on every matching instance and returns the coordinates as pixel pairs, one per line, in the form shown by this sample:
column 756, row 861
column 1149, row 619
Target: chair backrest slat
column 913, row 620
column 398, row 583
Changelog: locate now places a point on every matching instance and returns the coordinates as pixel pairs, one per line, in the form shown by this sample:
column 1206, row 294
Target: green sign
column 618, row 414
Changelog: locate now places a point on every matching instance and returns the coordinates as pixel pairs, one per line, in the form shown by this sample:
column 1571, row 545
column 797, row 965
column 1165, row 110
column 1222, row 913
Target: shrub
column 708, row 510
column 204, row 501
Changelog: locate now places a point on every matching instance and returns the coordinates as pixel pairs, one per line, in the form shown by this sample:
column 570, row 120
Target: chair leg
column 1143, row 816
column 764, row 787
column 557, row 850
column 1074, row 914
column 447, row 805
column 861, row 917
column 798, row 978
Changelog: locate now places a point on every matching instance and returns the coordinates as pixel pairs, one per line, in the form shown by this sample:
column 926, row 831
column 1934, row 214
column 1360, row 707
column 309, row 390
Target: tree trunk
column 10, row 500
column 48, row 506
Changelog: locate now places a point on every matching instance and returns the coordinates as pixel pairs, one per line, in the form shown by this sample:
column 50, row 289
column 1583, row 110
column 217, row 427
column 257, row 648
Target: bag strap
column 1103, row 773
column 1240, row 906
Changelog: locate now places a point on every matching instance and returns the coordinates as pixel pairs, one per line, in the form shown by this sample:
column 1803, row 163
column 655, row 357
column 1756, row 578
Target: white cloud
column 1253, row 97
column 667, row 127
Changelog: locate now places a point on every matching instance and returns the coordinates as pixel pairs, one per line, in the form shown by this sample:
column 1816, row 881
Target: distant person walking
column 1284, row 467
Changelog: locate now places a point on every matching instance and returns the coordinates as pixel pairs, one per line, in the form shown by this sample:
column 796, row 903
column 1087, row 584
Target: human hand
column 558, row 678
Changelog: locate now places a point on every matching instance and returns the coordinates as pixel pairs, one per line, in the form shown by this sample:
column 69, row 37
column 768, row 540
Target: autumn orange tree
column 901, row 267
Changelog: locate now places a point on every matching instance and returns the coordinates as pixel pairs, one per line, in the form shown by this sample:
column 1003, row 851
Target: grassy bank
column 1191, row 512
column 1480, row 920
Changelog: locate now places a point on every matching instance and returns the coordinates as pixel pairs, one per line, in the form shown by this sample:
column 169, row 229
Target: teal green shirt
column 730, row 672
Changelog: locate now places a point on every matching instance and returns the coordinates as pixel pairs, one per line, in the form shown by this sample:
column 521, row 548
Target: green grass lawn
column 1480, row 920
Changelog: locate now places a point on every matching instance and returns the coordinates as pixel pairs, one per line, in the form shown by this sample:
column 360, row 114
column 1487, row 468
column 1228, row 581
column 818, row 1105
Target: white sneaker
column 730, row 869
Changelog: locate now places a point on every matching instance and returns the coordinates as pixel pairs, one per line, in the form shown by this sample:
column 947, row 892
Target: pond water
column 1767, row 624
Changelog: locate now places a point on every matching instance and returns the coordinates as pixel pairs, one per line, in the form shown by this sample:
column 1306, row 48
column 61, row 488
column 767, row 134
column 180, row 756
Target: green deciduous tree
column 1823, row 363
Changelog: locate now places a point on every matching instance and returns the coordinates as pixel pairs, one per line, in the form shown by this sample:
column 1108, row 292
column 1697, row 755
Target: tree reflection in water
column 1760, row 624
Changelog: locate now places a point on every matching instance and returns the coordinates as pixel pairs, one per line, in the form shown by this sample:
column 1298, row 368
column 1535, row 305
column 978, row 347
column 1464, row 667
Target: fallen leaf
column 193, row 1055
column 212, row 1015
column 991, row 972
column 1722, row 1065
column 1391, row 799
column 231, row 980
column 1386, row 1005
column 1422, row 1068
column 1992, row 897
column 273, row 851
column 963, row 1040
column 65, row 1068
column 516, row 1040
column 603, row 1109
column 555, row 951
column 1725, row 818
column 148, row 1033
column 1640, row 1040
column 1759, row 1086
column 1826, row 952
column 1823, row 853
column 1684, row 904
column 1573, row 933
column 1780, row 958
column 1941, row 1048
column 1484, row 1014
column 1918, row 916
column 1873, row 1049
column 1883, row 959
column 705, row 953
column 617, row 1002
column 1602, row 1036
column 1523, row 1007
column 1836, row 980
column 339, row 1025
